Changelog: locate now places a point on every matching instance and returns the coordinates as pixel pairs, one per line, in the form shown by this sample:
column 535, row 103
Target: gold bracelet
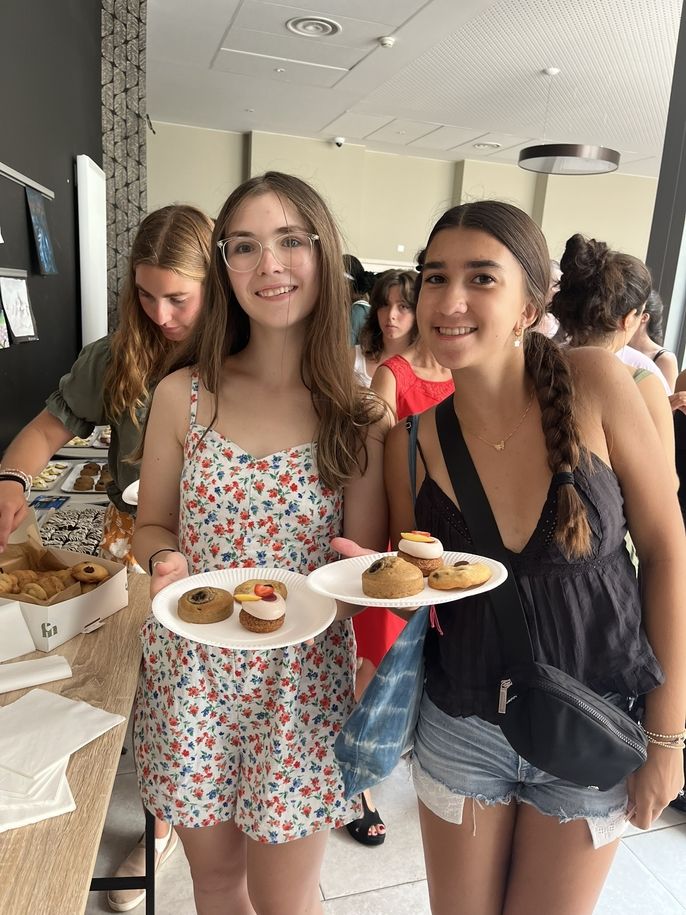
column 681, row 745
column 670, row 738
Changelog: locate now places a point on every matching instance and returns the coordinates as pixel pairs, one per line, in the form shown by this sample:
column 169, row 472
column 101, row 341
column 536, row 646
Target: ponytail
column 552, row 377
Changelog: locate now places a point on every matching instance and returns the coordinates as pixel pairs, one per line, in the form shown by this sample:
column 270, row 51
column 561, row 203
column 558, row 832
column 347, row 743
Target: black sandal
column 359, row 829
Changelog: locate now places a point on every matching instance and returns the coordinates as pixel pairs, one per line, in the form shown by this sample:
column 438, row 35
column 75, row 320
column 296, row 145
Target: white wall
column 193, row 165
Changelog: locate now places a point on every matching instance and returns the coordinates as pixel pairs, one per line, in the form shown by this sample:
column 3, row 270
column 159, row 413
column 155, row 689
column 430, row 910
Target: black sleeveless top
column 584, row 616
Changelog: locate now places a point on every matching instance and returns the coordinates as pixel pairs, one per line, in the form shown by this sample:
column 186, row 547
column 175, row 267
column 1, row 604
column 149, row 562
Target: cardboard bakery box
column 69, row 613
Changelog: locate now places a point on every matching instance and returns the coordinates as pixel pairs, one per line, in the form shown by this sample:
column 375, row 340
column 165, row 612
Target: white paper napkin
column 41, row 728
column 30, row 673
column 57, row 799
column 45, row 788
column 15, row 638
column 15, row 787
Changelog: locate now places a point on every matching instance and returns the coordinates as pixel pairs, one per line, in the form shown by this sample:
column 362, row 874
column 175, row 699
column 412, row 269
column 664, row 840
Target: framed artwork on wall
column 17, row 308
column 41, row 233
column 4, row 334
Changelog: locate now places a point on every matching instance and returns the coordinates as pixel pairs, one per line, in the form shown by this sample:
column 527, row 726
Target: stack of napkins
column 38, row 733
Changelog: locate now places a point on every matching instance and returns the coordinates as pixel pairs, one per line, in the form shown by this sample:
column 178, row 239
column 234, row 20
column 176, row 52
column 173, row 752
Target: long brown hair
column 545, row 362
column 371, row 335
column 175, row 238
column 343, row 410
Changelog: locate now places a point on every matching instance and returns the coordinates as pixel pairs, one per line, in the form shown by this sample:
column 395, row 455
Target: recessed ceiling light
column 489, row 145
column 313, row 27
column 249, row 110
column 279, row 69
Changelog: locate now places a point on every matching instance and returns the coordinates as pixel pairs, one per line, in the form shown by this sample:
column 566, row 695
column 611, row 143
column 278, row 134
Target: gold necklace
column 500, row 445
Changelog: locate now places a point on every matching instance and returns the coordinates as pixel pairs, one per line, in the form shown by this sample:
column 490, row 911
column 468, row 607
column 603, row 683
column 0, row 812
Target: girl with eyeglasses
column 260, row 448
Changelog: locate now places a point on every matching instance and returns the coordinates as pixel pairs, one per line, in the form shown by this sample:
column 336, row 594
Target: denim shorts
column 457, row 758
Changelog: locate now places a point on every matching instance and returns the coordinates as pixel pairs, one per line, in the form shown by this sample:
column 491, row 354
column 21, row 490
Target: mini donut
column 205, row 605
column 100, row 486
column 34, row 590
column 90, row 468
column 89, row 572
column 83, row 484
column 392, row 577
column 248, row 586
column 8, row 583
column 461, row 575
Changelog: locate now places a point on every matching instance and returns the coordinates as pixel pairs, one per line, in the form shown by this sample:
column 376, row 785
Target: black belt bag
column 549, row 718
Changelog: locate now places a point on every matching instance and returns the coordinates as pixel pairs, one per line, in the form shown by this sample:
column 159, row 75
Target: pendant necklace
column 500, row 445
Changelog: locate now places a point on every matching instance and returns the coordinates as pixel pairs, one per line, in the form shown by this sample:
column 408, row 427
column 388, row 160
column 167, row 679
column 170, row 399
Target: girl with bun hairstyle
column 649, row 337
column 600, row 302
column 260, row 448
column 552, row 433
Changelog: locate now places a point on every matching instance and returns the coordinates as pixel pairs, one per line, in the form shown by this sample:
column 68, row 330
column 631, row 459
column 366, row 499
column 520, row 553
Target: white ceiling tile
column 356, row 125
column 292, row 48
column 293, row 71
column 448, row 137
column 401, row 131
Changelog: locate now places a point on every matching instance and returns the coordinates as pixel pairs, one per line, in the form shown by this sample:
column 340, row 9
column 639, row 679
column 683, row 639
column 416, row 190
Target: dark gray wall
column 51, row 111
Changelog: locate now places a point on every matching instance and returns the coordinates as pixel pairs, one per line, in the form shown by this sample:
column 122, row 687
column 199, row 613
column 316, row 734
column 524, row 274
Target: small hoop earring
column 518, row 337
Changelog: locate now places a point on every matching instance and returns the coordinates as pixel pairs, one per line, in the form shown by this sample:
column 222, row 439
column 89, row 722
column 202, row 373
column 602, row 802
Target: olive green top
column 78, row 403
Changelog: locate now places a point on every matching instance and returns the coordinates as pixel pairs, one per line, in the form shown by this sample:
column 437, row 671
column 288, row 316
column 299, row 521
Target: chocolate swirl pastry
column 205, row 605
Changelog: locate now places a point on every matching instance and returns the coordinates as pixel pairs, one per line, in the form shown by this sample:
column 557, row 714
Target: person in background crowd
column 391, row 326
column 649, row 337
column 360, row 281
column 600, row 301
column 549, row 325
column 112, row 382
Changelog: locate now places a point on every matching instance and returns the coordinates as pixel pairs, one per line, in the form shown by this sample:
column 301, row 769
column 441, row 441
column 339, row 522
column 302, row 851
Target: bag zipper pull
column 502, row 698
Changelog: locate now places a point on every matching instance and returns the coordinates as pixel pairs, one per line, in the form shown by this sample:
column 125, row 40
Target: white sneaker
column 134, row 866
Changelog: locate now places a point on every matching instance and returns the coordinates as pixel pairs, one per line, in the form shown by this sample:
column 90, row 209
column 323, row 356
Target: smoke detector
column 313, row 27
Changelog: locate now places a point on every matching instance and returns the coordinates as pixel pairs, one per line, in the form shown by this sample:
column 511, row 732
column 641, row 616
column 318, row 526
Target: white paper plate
column 130, row 494
column 307, row 613
column 68, row 484
column 343, row 581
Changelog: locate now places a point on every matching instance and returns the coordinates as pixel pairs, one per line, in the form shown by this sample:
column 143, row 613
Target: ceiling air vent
column 313, row 27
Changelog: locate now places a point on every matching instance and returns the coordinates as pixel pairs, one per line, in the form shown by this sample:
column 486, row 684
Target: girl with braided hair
column 553, row 435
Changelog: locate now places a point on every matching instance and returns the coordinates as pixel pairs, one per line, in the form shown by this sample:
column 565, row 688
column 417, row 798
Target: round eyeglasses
column 243, row 253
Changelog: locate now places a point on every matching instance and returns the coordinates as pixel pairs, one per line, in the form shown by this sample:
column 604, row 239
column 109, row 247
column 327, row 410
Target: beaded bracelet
column 668, row 741
column 18, row 476
column 672, row 745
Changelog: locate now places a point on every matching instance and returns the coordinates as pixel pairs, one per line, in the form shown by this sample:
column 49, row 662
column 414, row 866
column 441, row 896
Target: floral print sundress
column 247, row 735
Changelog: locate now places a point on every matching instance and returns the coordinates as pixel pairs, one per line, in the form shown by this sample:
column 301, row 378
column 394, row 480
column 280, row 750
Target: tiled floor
column 647, row 878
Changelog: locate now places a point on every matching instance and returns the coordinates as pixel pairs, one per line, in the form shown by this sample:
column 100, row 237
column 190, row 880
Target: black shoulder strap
column 412, row 426
column 475, row 508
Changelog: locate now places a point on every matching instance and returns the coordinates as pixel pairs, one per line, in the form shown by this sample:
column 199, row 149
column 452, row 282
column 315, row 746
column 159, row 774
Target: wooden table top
column 46, row 868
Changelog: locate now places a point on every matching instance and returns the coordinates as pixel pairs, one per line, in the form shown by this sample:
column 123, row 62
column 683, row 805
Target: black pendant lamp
column 567, row 158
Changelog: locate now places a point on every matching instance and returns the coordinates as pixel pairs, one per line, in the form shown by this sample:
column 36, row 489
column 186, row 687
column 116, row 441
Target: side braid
column 549, row 369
